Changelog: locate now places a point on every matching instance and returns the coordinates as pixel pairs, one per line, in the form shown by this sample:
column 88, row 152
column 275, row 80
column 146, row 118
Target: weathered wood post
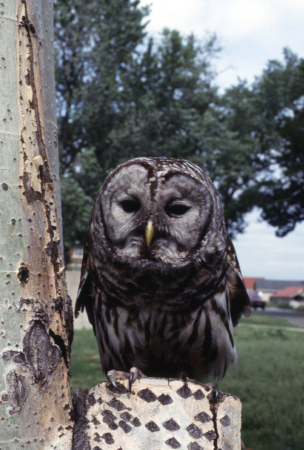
column 157, row 414
column 35, row 312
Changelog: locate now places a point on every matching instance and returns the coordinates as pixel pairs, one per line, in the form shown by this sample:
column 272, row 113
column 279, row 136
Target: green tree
column 270, row 113
column 167, row 90
column 93, row 44
column 281, row 93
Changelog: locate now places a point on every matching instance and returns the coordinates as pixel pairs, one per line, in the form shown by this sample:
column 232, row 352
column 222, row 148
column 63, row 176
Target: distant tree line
column 121, row 95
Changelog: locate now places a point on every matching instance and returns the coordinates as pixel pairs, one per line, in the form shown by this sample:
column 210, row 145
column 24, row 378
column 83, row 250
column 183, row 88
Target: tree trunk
column 35, row 311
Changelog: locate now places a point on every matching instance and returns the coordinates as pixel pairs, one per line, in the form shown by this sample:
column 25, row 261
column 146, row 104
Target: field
column 268, row 378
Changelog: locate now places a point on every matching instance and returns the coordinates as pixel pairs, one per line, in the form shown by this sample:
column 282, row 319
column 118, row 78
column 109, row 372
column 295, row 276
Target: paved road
column 295, row 317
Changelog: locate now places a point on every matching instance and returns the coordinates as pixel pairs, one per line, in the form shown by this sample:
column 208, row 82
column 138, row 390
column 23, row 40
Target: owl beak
column 149, row 232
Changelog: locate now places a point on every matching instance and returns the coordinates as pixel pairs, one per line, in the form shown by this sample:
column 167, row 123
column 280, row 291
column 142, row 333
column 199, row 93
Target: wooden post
column 158, row 414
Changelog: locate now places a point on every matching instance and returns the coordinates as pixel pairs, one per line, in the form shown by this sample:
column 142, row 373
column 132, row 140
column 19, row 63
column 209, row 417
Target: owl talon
column 135, row 374
column 112, row 378
column 116, row 375
column 131, row 380
column 214, row 395
column 185, row 379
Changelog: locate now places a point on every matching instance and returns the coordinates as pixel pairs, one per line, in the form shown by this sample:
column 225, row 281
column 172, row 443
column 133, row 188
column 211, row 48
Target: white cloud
column 250, row 31
column 263, row 254
column 233, row 18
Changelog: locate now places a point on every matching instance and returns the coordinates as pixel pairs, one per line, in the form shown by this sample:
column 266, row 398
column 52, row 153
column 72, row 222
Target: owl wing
column 84, row 295
column 239, row 299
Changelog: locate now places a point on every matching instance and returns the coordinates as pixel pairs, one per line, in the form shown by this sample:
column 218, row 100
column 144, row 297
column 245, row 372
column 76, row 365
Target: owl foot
column 115, row 375
column 134, row 374
column 183, row 375
column 214, row 395
column 185, row 379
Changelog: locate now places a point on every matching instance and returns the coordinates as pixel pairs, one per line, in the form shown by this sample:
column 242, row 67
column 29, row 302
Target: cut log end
column 157, row 414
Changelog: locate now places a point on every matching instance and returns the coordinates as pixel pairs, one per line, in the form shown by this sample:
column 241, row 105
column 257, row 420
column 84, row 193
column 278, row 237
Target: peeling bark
column 36, row 326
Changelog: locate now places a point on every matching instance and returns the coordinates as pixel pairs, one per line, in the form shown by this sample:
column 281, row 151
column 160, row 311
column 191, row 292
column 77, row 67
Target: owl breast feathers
column 160, row 278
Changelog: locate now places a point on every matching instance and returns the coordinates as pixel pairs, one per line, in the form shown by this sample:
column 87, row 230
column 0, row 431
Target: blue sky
column 250, row 33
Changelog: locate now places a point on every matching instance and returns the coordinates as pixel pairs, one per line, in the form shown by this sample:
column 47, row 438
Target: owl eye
column 176, row 209
column 130, row 205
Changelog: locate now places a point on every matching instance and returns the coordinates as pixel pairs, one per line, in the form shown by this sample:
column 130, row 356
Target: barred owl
column 160, row 279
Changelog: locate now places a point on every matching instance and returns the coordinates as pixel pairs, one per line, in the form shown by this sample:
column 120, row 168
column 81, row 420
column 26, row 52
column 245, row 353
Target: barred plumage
column 160, row 279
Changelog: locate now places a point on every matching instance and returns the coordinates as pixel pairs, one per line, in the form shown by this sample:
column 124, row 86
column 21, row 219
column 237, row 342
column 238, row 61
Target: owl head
column 153, row 212
column 157, row 236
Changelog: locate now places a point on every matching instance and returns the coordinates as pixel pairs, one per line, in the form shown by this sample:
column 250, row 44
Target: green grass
column 271, row 305
column 261, row 319
column 85, row 364
column 284, row 306
column 268, row 378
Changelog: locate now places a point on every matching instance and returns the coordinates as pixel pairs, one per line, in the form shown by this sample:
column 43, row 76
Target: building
column 289, row 294
column 250, row 283
column 267, row 288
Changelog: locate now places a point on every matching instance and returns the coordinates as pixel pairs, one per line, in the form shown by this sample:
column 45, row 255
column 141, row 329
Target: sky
column 250, row 32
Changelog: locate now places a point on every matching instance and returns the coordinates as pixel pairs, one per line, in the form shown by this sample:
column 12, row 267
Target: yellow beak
column 149, row 232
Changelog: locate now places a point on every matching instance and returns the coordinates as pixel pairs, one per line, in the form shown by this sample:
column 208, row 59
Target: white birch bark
column 35, row 312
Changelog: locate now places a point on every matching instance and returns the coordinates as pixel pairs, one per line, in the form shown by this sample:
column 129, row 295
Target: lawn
column 258, row 318
column 268, row 378
column 85, row 366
